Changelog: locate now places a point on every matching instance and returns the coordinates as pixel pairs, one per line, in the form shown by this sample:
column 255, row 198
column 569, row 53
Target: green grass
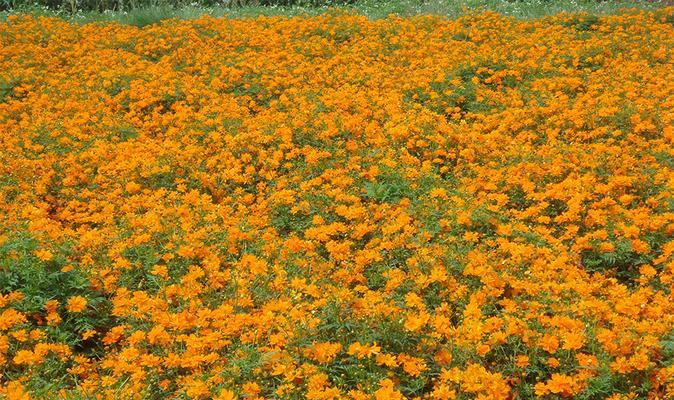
column 375, row 9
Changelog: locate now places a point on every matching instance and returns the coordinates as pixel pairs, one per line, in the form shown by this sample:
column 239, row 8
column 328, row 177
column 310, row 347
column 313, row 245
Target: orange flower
column 563, row 385
column 387, row 391
column 572, row 341
column 443, row 357
column 522, row 361
column 363, row 351
column 247, row 195
column 549, row 343
column 88, row 334
column 44, row 254
column 324, row 352
column 76, row 304
column 387, row 360
column 226, row 395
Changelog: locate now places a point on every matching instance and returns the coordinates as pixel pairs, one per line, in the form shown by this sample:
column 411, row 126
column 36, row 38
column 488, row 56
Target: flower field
column 333, row 207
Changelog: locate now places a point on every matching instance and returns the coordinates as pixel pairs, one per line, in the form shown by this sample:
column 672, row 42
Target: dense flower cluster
column 333, row 207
